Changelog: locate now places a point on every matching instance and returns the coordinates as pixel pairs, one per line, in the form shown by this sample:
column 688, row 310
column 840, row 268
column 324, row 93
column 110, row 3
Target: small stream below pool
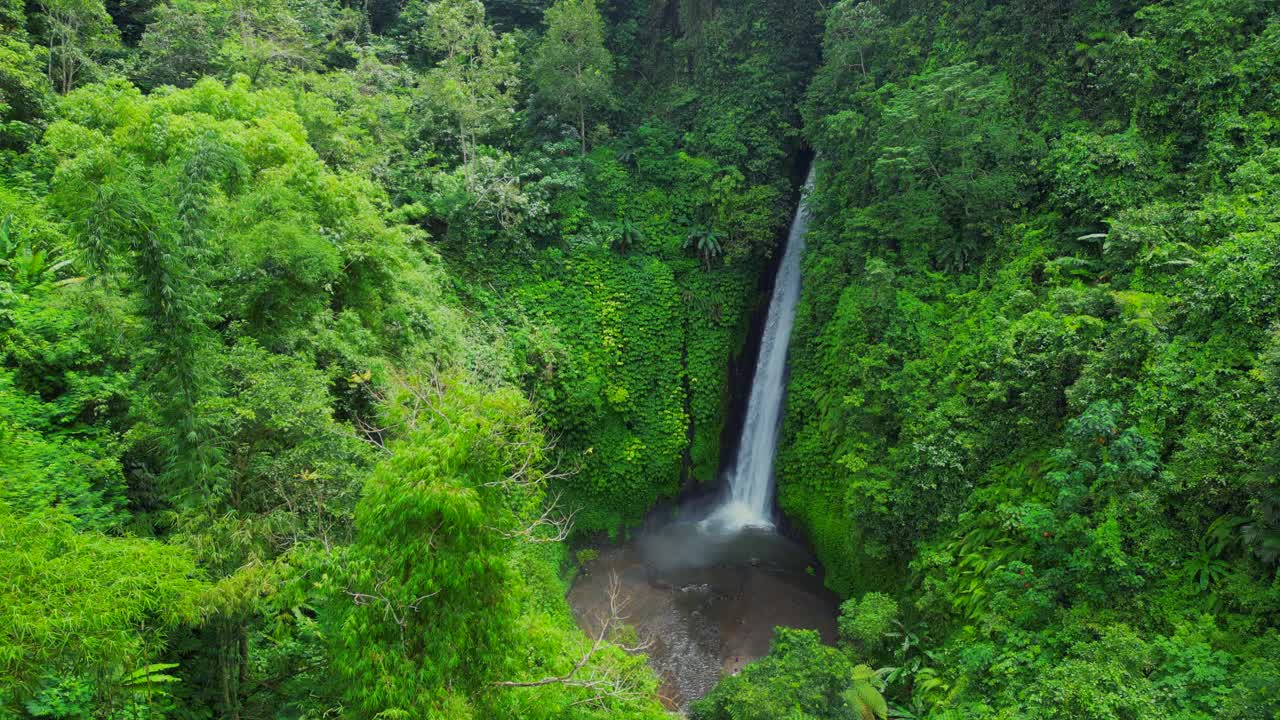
column 707, row 600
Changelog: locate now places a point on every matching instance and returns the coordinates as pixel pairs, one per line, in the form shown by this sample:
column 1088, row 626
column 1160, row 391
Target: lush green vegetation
column 325, row 325
column 1034, row 386
column 320, row 322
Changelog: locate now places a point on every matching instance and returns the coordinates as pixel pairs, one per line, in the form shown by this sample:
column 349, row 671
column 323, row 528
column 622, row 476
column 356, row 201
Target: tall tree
column 476, row 75
column 78, row 32
column 573, row 69
column 852, row 29
column 155, row 222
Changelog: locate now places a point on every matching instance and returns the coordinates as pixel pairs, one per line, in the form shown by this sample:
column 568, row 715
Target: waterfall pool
column 707, row 599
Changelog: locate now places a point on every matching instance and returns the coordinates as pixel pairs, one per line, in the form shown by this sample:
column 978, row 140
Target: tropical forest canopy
column 329, row 329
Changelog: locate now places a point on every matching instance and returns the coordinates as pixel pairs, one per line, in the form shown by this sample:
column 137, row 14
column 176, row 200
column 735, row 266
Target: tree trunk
column 466, row 156
column 582, row 110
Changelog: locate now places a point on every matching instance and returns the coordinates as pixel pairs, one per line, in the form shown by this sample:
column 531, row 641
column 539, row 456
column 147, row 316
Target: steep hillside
column 1034, row 391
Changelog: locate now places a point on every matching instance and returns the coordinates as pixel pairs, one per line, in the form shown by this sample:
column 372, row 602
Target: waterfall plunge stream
column 749, row 502
column 708, row 588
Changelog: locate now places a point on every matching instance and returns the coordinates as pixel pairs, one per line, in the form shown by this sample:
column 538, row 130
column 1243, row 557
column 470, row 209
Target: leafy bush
column 866, row 622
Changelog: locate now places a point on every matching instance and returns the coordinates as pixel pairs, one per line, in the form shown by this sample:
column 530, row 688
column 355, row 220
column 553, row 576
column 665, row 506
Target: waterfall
column 750, row 497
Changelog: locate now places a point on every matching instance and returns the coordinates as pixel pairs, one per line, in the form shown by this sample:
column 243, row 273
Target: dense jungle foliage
column 320, row 322
column 1035, row 388
column 325, row 326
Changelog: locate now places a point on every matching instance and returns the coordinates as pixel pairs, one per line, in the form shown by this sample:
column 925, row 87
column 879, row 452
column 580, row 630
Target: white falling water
column 750, row 497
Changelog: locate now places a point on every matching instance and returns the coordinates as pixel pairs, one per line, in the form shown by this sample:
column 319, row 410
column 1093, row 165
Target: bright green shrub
column 866, row 621
column 80, row 603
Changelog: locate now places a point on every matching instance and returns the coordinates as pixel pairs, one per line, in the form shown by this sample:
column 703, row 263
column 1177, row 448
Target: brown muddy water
column 706, row 598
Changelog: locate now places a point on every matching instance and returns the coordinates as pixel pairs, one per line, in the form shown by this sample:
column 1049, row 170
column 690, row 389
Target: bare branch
column 603, row 684
column 397, row 612
column 560, row 525
column 371, row 433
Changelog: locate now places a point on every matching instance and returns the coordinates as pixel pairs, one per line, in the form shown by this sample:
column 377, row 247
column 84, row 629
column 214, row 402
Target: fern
column 864, row 694
column 145, row 678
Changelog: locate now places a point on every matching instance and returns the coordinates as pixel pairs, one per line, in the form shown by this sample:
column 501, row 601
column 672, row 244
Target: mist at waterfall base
column 707, row 582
